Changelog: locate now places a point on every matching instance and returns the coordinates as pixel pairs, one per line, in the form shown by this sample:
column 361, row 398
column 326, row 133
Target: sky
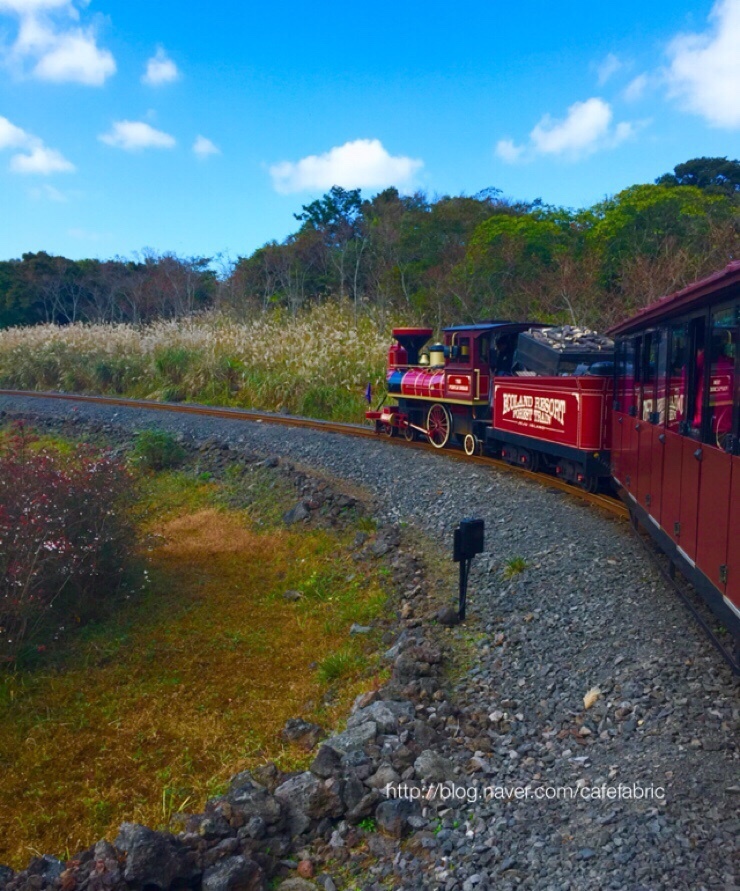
column 130, row 126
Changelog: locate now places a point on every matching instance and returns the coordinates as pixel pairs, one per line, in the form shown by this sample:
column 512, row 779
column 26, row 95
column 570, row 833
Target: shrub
column 514, row 566
column 65, row 539
column 157, row 450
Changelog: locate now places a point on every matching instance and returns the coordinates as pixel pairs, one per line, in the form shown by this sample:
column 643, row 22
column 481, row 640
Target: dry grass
column 154, row 711
column 317, row 363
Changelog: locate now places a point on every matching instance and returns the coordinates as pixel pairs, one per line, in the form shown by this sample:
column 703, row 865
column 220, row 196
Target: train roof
column 494, row 323
column 694, row 296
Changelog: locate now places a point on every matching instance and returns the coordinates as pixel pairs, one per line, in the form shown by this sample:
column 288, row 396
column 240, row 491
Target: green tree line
column 442, row 259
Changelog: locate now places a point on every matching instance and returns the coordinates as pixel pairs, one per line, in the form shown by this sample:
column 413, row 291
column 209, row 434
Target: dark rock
column 354, row 738
column 253, row 800
column 432, row 767
column 222, row 850
column 385, row 714
column 267, row 775
column 327, row 762
column 302, row 733
column 6, row 874
column 234, row 874
column 448, row 616
column 364, row 807
column 296, row 514
column 153, row 859
column 393, row 816
column 46, row 868
column 306, row 797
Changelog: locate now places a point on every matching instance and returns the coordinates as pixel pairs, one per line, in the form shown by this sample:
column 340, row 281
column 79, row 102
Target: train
column 651, row 409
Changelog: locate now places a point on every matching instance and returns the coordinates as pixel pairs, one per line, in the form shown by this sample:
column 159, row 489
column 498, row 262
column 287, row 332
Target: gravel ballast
column 530, row 765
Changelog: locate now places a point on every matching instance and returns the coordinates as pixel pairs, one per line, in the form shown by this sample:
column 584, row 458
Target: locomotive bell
column 437, row 354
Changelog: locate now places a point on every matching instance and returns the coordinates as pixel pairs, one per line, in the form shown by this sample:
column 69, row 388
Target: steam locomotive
column 655, row 413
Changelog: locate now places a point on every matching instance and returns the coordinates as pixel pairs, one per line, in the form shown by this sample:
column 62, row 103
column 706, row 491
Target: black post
column 467, row 542
column 464, row 565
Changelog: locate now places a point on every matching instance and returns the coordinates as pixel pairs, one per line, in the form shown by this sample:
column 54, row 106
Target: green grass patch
column 513, row 567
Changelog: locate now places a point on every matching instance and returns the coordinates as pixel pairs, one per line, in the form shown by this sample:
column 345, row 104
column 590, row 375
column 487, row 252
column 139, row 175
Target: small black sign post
column 468, row 542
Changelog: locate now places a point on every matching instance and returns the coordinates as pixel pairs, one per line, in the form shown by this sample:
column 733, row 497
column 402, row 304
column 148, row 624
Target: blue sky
column 201, row 129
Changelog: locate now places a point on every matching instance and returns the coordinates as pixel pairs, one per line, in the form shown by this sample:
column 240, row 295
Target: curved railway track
column 603, row 502
column 606, row 503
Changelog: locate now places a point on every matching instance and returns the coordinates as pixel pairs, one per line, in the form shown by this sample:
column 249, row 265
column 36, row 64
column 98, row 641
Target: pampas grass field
column 317, row 363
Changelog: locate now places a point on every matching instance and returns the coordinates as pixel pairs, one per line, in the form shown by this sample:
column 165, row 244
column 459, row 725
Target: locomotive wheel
column 472, row 445
column 409, row 434
column 439, row 425
column 386, row 430
column 590, row 484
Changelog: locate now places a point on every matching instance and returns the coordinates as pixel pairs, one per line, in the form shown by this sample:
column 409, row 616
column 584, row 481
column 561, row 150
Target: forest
column 440, row 259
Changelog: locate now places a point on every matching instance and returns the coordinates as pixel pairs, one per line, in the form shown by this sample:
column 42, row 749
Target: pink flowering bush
column 65, row 539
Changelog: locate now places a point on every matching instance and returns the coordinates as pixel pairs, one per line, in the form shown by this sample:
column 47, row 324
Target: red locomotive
column 662, row 420
column 466, row 389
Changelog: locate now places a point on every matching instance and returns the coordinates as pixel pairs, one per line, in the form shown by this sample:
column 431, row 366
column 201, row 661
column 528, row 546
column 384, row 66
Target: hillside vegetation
column 443, row 259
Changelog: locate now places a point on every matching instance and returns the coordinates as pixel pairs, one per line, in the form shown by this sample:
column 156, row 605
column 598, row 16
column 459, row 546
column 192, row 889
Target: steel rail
column 603, row 502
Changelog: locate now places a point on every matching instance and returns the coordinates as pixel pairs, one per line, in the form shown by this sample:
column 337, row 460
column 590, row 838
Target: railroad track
column 603, row 502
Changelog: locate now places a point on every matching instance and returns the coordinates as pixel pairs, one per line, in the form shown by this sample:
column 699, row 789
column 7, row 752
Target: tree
column 654, row 239
column 718, row 176
column 337, row 218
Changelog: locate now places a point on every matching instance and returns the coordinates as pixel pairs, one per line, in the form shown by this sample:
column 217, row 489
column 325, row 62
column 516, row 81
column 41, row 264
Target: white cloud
column 203, row 147
column 28, row 7
column 48, row 49
column 133, row 136
column 42, row 160
column 579, row 133
column 160, row 69
column 33, row 156
column 75, row 57
column 704, row 73
column 635, row 89
column 363, row 163
column 12, row 136
column 608, row 67
column 586, row 128
column 508, row 151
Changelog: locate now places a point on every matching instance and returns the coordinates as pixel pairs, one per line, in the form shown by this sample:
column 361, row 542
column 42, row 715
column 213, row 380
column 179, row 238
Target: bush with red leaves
column 65, row 539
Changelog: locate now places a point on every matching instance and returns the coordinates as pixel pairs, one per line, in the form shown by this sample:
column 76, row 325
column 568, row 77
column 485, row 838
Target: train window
column 504, row 354
column 696, row 379
column 648, row 407
column 722, row 346
column 662, row 379
column 484, row 345
column 634, row 394
column 620, row 350
column 463, row 355
column 677, row 377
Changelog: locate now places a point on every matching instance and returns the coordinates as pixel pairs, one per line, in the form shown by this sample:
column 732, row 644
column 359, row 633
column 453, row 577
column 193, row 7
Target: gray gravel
column 589, row 611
